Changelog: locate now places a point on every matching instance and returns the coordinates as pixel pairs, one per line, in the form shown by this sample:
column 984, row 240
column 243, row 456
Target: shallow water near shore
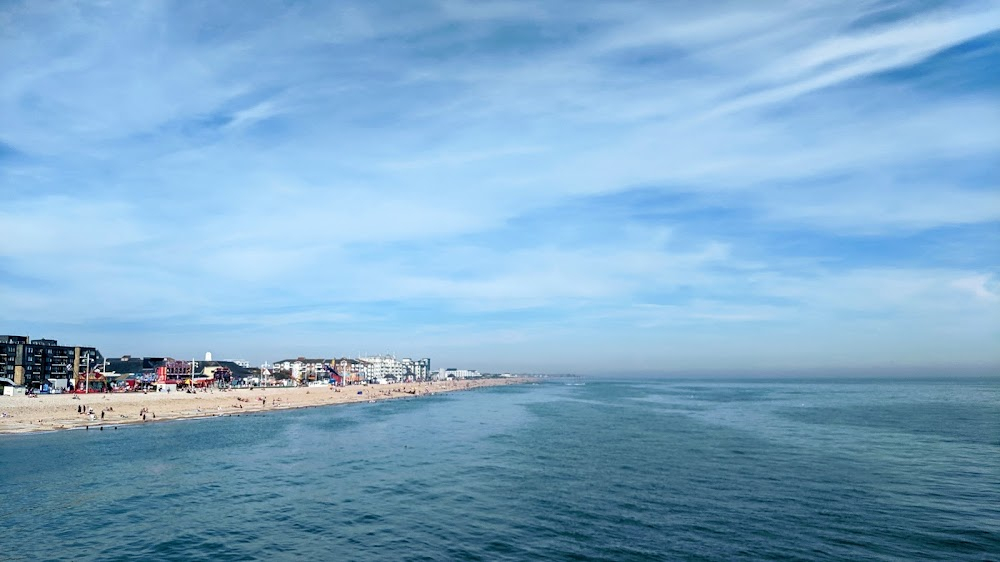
column 609, row 470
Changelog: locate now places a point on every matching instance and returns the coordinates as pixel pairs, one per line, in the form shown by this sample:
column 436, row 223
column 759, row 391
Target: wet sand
column 23, row 414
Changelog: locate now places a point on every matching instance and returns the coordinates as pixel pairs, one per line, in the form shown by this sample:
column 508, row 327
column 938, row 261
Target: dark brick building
column 32, row 363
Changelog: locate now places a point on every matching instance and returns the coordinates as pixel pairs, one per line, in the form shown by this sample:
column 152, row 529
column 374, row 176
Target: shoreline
column 60, row 412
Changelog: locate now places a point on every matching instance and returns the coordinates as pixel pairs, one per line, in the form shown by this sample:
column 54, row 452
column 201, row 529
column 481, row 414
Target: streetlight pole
column 86, row 388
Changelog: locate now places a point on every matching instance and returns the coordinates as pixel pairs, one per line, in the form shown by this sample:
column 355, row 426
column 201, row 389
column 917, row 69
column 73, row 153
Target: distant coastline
column 100, row 412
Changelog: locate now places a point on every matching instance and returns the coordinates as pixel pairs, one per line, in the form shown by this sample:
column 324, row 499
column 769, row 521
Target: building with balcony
column 378, row 368
column 417, row 369
column 303, row 369
column 350, row 369
column 36, row 363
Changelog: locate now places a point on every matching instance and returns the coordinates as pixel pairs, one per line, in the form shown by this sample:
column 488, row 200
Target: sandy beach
column 22, row 414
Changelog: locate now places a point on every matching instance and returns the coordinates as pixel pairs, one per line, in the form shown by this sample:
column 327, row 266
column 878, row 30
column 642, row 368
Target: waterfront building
column 36, row 363
column 302, row 368
column 144, row 372
column 452, row 373
column 133, row 371
column 378, row 368
column 375, row 368
column 350, row 369
column 417, row 369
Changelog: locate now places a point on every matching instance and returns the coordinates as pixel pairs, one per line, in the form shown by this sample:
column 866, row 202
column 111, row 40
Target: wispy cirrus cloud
column 451, row 173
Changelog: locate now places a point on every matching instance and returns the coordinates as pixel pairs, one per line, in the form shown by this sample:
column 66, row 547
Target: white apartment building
column 302, row 368
column 444, row 374
column 419, row 369
column 382, row 367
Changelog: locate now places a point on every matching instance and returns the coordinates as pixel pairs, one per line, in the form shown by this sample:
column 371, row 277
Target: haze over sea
column 586, row 470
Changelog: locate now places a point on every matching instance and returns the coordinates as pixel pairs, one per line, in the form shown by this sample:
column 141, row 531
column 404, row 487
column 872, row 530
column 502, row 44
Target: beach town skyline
column 418, row 368
column 42, row 365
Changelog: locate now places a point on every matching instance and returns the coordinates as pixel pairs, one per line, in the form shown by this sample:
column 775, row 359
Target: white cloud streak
column 332, row 156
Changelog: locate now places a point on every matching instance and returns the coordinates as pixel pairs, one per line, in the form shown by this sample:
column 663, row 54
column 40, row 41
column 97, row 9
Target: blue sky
column 593, row 187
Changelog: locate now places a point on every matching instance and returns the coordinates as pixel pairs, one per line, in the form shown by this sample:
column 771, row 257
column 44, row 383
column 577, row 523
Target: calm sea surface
column 635, row 470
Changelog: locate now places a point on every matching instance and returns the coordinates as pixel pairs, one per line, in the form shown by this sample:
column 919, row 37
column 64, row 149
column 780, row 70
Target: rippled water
column 638, row 470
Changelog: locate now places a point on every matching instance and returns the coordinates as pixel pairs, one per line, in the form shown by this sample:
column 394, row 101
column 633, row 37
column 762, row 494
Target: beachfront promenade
column 22, row 414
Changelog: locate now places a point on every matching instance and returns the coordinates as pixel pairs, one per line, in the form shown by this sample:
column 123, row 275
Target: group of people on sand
column 261, row 399
column 392, row 391
column 89, row 411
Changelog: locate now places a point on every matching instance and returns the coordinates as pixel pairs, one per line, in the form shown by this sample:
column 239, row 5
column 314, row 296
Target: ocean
column 568, row 469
